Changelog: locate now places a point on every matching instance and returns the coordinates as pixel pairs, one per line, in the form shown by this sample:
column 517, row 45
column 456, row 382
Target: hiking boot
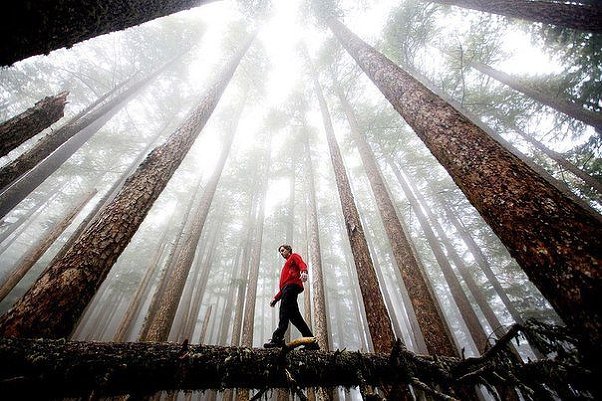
column 311, row 346
column 274, row 343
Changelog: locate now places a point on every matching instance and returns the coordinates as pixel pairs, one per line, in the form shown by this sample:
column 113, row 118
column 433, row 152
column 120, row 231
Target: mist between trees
column 437, row 166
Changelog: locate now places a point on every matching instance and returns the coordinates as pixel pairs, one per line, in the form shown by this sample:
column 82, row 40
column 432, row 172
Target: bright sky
column 284, row 30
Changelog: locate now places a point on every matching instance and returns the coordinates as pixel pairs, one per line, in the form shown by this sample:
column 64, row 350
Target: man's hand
column 273, row 302
column 304, row 276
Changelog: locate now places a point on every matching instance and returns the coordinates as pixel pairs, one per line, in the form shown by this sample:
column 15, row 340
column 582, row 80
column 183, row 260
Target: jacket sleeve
column 278, row 296
column 300, row 263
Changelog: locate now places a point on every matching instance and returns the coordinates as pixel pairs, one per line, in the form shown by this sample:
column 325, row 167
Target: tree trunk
column 466, row 310
column 543, row 173
column 162, row 321
column 32, row 121
column 30, row 28
column 162, row 280
column 19, row 178
column 141, row 293
column 30, row 258
column 584, row 17
column 55, row 302
column 203, row 334
column 17, row 228
column 379, row 322
column 107, row 197
column 482, row 262
column 315, row 254
column 432, row 324
column 556, row 242
column 572, row 110
column 39, row 369
column 249, row 315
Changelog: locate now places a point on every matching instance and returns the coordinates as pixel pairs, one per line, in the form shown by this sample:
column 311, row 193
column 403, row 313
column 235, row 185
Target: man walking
column 292, row 277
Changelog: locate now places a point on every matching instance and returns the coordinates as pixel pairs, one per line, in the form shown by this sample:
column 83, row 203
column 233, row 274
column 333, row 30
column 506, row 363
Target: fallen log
column 45, row 368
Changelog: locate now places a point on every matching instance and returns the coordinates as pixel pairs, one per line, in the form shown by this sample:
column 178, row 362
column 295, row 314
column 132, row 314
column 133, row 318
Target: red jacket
column 291, row 273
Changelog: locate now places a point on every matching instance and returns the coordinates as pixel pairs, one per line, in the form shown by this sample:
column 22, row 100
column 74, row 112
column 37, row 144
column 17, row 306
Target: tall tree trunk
column 249, row 315
column 48, row 144
column 107, row 197
column 556, row 242
column 30, row 258
column 584, row 17
column 572, row 110
column 161, row 323
column 466, row 310
column 121, row 334
column 26, row 219
column 432, row 324
column 315, row 254
column 481, row 261
column 19, row 178
column 543, row 173
column 55, row 302
column 162, row 280
column 30, row 28
column 379, row 322
column 192, row 304
column 32, row 121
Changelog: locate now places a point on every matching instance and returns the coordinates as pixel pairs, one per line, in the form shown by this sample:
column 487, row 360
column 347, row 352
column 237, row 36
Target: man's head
column 285, row 250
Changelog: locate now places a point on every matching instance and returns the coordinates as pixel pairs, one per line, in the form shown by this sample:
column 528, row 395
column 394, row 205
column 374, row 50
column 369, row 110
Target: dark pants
column 289, row 311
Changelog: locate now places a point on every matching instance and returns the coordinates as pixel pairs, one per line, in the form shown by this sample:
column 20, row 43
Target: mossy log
column 60, row 368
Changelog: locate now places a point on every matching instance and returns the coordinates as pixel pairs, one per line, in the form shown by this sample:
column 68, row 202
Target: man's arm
column 302, row 267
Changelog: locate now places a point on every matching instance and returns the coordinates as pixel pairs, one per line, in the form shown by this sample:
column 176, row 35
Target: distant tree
column 556, row 242
column 32, row 121
column 585, row 17
column 50, row 308
column 561, row 105
column 30, row 28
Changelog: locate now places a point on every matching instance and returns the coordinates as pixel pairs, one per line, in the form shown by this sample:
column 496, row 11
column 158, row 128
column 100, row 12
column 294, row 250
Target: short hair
column 286, row 246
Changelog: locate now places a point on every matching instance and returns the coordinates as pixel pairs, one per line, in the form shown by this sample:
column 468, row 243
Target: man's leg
column 283, row 319
column 296, row 318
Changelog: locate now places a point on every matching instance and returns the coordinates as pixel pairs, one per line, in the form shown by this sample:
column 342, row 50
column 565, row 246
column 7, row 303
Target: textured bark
column 30, row 27
column 71, row 368
column 430, row 319
column 56, row 301
column 315, row 255
column 563, row 106
column 379, row 322
column 558, row 184
column 182, row 262
column 32, row 121
column 30, row 258
column 19, row 178
column 584, row 17
column 556, row 242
